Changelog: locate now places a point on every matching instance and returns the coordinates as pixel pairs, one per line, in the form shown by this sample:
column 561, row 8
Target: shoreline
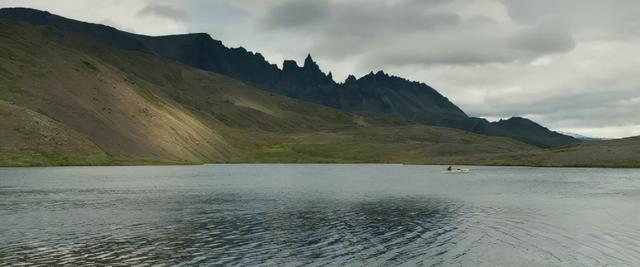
column 169, row 164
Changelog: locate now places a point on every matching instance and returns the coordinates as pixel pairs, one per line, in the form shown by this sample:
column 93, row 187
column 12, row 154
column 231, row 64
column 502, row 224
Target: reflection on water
column 318, row 215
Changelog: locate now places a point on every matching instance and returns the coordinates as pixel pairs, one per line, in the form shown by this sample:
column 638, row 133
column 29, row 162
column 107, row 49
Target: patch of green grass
column 90, row 66
column 149, row 96
column 148, row 161
column 287, row 154
column 174, row 78
column 40, row 158
column 44, row 156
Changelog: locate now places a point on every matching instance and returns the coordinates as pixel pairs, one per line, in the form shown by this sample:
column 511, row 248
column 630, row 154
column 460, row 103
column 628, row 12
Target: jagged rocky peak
column 309, row 63
column 289, row 65
column 371, row 76
column 309, row 72
column 260, row 56
column 350, row 79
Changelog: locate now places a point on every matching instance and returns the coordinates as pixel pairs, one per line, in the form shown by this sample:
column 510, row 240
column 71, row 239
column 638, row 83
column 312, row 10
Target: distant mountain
column 528, row 132
column 584, row 138
column 70, row 100
column 376, row 94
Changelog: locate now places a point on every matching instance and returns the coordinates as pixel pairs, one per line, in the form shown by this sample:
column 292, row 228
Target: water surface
column 319, row 215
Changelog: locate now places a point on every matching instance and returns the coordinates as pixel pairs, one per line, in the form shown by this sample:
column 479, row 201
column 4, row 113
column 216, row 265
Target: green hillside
column 374, row 95
column 69, row 101
column 623, row 153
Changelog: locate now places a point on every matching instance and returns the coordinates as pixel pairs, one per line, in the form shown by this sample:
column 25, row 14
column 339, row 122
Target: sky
column 570, row 65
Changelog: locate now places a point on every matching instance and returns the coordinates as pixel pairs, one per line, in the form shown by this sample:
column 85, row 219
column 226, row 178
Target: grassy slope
column 406, row 144
column 624, row 153
column 28, row 137
column 96, row 101
column 118, row 107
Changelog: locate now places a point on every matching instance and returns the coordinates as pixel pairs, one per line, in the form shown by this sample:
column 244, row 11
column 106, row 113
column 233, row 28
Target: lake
column 319, row 215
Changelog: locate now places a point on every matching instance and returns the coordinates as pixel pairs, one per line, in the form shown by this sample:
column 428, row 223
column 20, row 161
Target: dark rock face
column 381, row 93
column 375, row 94
column 531, row 132
column 203, row 52
column 100, row 33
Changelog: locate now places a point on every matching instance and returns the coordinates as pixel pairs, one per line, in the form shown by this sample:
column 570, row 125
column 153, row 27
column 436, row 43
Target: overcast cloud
column 570, row 65
column 164, row 11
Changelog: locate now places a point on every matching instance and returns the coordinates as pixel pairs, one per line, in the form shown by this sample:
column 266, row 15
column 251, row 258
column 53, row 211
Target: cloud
column 474, row 46
column 564, row 63
column 413, row 32
column 296, row 14
column 590, row 87
column 545, row 37
column 164, row 11
column 589, row 19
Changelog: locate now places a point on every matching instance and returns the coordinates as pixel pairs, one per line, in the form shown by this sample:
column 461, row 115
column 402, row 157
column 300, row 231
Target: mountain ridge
column 374, row 94
column 67, row 100
column 586, row 138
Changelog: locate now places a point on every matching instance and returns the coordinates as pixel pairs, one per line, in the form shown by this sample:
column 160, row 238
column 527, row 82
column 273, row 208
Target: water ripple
column 279, row 224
